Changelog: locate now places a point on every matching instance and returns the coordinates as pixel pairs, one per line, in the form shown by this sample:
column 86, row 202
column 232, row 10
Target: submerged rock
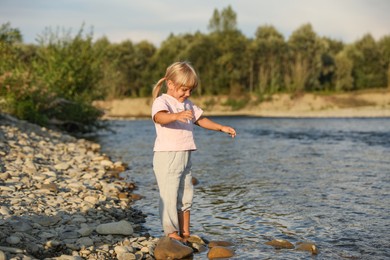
column 280, row 244
column 307, row 246
column 220, row 252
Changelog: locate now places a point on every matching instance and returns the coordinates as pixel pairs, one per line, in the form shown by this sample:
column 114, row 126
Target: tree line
column 55, row 80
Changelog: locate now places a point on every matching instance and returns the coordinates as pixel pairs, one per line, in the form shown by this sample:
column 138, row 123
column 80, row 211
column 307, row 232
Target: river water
column 321, row 180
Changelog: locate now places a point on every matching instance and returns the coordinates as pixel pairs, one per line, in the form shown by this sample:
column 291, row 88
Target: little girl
column 174, row 117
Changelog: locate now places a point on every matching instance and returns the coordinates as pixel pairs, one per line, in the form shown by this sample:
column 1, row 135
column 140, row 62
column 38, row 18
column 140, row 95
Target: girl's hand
column 185, row 116
column 229, row 130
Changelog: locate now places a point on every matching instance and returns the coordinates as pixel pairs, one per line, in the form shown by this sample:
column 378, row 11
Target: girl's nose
column 188, row 93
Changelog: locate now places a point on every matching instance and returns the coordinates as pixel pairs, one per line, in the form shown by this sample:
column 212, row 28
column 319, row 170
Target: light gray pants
column 174, row 179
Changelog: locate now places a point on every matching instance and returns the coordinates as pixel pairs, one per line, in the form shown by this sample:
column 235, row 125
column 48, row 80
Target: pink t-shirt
column 175, row 136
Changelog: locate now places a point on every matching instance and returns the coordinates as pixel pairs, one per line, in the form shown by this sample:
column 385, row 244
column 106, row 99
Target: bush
column 55, row 87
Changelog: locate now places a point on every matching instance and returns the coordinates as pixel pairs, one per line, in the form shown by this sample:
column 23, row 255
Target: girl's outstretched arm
column 211, row 125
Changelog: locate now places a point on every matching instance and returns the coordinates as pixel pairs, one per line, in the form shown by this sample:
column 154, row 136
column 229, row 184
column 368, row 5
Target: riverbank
column 62, row 199
column 368, row 103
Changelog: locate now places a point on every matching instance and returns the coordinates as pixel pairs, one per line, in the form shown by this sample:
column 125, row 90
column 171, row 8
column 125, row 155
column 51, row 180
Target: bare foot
column 176, row 236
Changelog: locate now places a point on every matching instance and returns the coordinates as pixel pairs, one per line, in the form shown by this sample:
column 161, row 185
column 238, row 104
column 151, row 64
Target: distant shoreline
column 364, row 104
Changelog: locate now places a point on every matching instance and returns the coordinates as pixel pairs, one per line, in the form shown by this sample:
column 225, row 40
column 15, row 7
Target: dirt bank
column 373, row 103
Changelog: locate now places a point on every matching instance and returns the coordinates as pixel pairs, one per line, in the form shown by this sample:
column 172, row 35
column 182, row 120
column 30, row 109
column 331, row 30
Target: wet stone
column 220, row 252
column 280, row 244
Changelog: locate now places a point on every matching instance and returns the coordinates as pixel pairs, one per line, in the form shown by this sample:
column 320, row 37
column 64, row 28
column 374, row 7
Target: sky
column 154, row 21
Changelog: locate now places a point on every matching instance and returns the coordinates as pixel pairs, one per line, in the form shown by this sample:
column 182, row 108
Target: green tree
column 384, row 48
column 110, row 76
column 124, row 56
column 231, row 72
column 368, row 70
column 343, row 79
column 10, row 35
column 144, row 52
column 171, row 50
column 223, row 21
column 10, row 39
column 304, row 65
column 202, row 53
column 328, row 60
column 269, row 49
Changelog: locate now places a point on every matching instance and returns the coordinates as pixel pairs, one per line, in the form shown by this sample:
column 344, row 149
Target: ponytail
column 157, row 88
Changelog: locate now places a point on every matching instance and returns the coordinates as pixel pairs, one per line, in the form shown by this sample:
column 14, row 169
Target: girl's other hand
column 185, row 116
column 229, row 130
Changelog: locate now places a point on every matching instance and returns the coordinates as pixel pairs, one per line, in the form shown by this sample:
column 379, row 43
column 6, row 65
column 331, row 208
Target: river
column 321, row 180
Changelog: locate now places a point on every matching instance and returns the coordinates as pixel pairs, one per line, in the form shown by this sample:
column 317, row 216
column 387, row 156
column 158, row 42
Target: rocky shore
column 62, row 199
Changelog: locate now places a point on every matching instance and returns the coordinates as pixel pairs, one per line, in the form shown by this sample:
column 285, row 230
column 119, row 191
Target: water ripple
column 320, row 180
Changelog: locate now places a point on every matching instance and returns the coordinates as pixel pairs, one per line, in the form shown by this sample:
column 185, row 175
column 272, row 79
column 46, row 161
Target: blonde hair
column 181, row 74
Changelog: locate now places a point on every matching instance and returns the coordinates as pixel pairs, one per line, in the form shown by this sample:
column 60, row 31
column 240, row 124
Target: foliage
column 368, row 70
column 55, row 81
column 20, row 98
column 224, row 21
column 59, row 68
column 384, row 48
column 343, row 77
column 269, row 56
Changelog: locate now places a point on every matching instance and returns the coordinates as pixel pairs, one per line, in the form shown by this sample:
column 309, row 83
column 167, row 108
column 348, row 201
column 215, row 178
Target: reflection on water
column 319, row 180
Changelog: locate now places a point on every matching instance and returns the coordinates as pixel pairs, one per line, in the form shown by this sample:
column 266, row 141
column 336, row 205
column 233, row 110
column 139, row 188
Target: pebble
column 3, row 256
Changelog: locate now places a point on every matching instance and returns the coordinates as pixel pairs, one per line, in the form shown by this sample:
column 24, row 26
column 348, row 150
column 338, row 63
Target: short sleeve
column 197, row 112
column 159, row 105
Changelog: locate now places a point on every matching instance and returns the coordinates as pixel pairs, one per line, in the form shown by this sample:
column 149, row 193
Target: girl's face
column 180, row 93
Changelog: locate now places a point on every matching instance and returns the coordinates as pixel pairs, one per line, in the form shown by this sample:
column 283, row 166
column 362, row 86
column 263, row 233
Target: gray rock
column 122, row 227
column 21, row 226
column 85, row 231
column 69, row 234
column 85, row 241
column 13, row 240
column 46, row 221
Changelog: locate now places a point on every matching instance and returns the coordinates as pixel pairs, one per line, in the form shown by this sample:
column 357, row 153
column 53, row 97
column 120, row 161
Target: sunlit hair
column 181, row 74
